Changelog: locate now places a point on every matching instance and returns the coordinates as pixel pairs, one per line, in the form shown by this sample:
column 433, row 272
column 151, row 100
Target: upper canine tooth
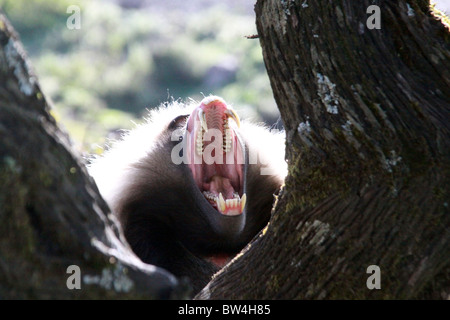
column 202, row 119
column 232, row 114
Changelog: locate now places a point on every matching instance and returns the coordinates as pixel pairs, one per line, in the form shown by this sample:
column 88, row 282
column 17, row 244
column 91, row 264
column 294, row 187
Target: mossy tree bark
column 366, row 113
column 51, row 214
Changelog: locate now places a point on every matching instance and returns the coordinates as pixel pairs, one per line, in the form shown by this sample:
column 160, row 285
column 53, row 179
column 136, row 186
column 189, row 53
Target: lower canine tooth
column 225, row 205
column 243, row 201
column 221, row 203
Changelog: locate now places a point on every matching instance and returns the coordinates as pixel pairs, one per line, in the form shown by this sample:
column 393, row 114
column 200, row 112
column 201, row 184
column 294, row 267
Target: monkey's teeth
column 202, row 119
column 227, row 140
column 232, row 114
column 221, row 204
column 199, row 142
column 230, row 207
column 243, row 201
column 226, row 136
column 209, row 195
column 200, row 133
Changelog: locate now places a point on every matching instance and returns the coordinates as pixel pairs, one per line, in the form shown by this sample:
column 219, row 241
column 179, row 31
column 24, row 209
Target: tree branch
column 366, row 115
column 51, row 214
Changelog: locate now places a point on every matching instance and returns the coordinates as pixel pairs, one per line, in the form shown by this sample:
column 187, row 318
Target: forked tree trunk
column 51, row 214
column 366, row 113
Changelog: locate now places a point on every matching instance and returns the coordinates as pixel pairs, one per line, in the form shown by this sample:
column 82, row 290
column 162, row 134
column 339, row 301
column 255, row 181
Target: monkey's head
column 201, row 178
column 217, row 159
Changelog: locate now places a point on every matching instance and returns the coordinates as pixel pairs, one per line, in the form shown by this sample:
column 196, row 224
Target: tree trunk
column 51, row 214
column 366, row 113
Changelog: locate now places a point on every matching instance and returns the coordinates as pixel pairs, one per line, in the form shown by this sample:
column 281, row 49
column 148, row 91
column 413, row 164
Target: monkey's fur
column 166, row 219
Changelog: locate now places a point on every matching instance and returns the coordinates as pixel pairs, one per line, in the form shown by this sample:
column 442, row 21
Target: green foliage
column 124, row 60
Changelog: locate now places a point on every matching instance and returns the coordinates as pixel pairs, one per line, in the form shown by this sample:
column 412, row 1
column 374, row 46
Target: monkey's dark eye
column 178, row 121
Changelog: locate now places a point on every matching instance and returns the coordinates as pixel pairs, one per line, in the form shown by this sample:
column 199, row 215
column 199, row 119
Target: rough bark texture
column 367, row 115
column 51, row 214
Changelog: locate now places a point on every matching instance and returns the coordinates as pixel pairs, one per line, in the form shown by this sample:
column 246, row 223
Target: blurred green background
column 130, row 55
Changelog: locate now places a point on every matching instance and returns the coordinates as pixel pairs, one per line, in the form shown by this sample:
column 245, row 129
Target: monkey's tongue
column 220, row 185
column 222, row 194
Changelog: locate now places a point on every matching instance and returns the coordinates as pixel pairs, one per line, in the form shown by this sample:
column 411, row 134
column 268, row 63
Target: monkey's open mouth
column 216, row 155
